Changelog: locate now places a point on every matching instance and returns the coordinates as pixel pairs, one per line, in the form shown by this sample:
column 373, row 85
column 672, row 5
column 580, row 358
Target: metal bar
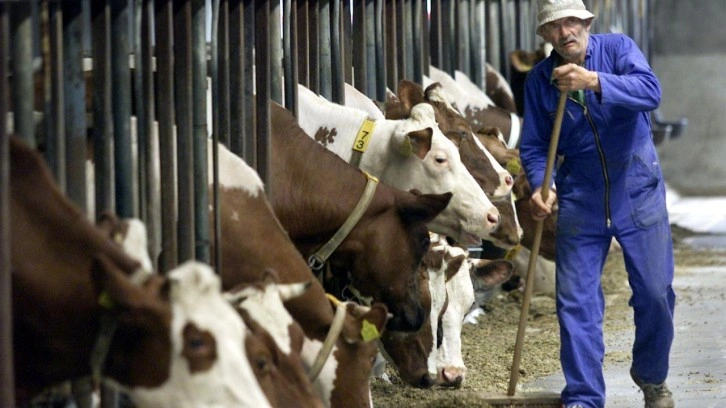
column 7, row 375
column 405, row 40
column 150, row 136
column 121, row 97
column 303, row 76
column 249, row 114
column 418, row 35
column 347, row 43
column 448, row 35
column 275, row 50
column 391, row 45
column 236, row 71
column 476, row 52
column 142, row 173
column 368, row 18
column 55, row 137
column 75, row 103
column 21, row 44
column 199, row 130
column 463, row 37
column 325, row 51
column 290, row 55
column 359, row 43
column 165, row 76
column 425, row 40
column 102, row 105
column 337, row 79
column 435, row 34
column 381, row 53
column 262, row 86
column 314, row 46
column 221, row 110
column 184, row 124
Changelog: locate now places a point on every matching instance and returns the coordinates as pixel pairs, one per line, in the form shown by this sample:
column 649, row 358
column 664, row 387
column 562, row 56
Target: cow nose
column 426, row 381
column 493, row 218
column 508, row 180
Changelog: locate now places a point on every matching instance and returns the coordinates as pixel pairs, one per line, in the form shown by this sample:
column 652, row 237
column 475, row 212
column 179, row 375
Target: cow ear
column 124, row 298
column 417, row 142
column 410, row 94
column 454, row 265
column 493, row 273
column 370, row 321
column 424, row 208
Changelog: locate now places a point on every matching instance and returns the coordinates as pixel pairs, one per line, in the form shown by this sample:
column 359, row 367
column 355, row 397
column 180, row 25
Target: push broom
column 538, row 399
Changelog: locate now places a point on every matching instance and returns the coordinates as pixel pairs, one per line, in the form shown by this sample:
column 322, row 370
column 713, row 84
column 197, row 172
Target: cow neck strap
column 360, row 145
column 333, row 334
column 318, row 259
column 108, row 327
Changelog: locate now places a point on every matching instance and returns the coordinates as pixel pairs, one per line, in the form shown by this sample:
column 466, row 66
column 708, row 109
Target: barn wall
column 689, row 58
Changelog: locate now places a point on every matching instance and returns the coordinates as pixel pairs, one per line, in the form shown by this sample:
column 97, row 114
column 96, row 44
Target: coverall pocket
column 645, row 192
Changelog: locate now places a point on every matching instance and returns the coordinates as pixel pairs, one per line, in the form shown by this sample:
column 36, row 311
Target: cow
column 405, row 154
column 493, row 179
column 246, row 212
column 477, row 107
column 496, row 87
column 70, row 279
column 262, row 309
column 313, row 193
column 434, row 353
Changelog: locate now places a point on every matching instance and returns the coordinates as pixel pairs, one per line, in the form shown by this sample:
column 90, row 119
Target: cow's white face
column 470, row 215
column 208, row 361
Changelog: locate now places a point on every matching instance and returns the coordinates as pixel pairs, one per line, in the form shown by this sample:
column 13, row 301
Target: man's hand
column 540, row 209
column 572, row 77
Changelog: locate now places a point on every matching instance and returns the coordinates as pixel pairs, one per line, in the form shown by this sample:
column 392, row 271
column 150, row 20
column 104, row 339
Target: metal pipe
column 199, row 142
column 7, row 375
column 121, row 98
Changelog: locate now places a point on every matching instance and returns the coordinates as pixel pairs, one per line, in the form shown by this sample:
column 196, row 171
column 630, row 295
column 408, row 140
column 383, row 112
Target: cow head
column 276, row 342
column 470, row 215
column 492, row 178
column 376, row 264
column 187, row 351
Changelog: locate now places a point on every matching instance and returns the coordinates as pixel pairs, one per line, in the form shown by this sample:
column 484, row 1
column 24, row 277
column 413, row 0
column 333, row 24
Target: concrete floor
column 698, row 357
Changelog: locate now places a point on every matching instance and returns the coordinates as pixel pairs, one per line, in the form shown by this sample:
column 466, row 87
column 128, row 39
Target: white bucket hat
column 551, row 10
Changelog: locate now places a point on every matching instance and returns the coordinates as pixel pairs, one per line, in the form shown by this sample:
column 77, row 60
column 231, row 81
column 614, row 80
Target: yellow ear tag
column 406, row 148
column 104, row 300
column 369, row 331
column 514, row 166
column 512, row 252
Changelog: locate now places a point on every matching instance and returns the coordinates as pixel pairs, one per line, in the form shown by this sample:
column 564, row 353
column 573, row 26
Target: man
column 608, row 184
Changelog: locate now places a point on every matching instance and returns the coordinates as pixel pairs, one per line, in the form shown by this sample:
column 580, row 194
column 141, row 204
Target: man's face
column 568, row 37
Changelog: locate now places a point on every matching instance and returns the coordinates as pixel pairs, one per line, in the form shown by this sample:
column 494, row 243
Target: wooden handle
column 539, row 226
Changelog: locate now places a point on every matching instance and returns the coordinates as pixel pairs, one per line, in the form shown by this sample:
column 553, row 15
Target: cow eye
column 440, row 159
column 263, row 364
column 196, row 343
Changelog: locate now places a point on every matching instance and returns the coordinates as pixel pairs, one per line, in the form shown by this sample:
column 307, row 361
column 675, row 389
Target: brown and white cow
column 245, row 212
column 493, row 179
column 68, row 273
column 477, row 107
column 281, row 372
column 434, row 353
column 313, row 193
column 496, row 87
column 405, row 154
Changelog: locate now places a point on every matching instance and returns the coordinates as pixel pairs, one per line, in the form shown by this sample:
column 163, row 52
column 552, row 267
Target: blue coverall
column 608, row 184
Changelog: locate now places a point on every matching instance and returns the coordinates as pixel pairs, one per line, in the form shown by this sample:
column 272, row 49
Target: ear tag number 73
column 361, row 140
